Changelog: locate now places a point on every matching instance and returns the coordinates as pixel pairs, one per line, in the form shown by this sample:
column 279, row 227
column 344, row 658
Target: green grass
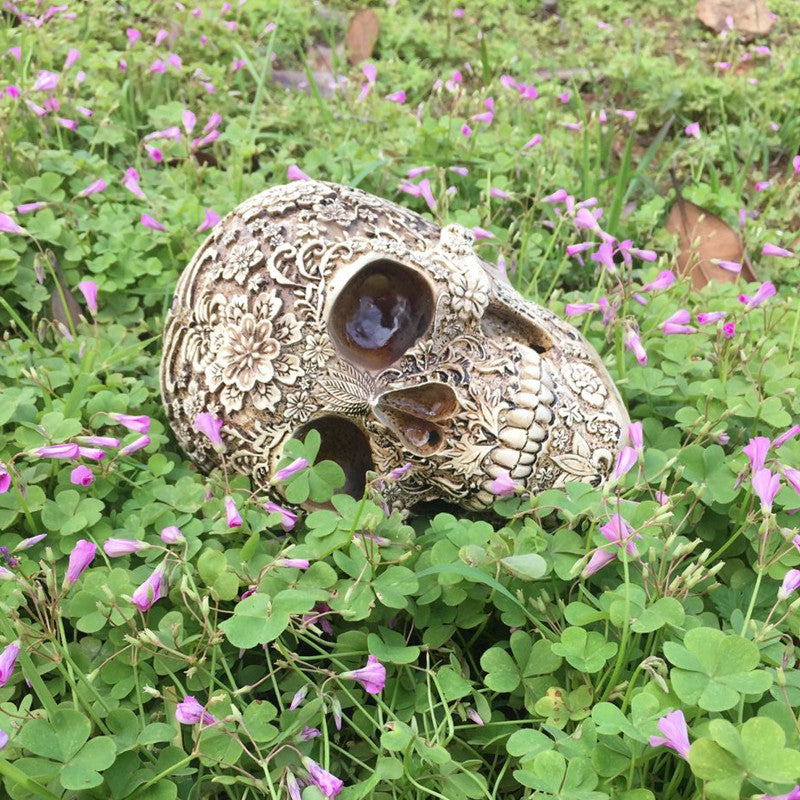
column 475, row 621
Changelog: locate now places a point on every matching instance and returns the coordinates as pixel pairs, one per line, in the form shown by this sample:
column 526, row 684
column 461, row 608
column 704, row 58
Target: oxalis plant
column 166, row 634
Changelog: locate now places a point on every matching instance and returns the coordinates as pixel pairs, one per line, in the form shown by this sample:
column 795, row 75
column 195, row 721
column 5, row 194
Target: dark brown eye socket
column 380, row 313
column 345, row 443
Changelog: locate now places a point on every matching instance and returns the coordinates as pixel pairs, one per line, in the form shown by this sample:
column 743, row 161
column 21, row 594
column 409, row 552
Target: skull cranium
column 319, row 306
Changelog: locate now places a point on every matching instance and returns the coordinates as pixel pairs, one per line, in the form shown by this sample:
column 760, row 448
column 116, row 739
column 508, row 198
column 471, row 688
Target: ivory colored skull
column 314, row 305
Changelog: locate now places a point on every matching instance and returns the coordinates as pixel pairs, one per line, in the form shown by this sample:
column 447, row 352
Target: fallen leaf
column 362, row 35
column 703, row 236
column 751, row 18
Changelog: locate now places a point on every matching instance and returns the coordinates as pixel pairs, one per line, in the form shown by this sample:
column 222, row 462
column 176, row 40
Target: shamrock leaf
column 713, row 670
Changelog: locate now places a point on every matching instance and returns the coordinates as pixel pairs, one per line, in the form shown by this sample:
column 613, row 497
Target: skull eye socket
column 345, row 443
column 380, row 313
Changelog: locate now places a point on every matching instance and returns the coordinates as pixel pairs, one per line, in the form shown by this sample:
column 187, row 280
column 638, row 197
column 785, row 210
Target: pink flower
column 288, row 519
column 756, row 450
column 764, row 292
column 634, row 343
column 93, row 188
column 766, row 485
column 598, row 560
column 397, row 97
column 69, row 124
column 294, row 173
column 618, row 531
column 131, row 183
column 72, row 56
column 67, row 450
column 133, row 35
column 210, row 220
column 676, row 324
column 625, row 460
column 729, row 329
column 210, row 426
column 459, row 13
column 7, row 225
column 791, row 581
column 89, row 291
column 327, row 783
column 190, row 712
column 372, row 677
column 536, row 140
column 605, row 256
column 291, row 469
column 773, row 250
column 172, row 535
column 503, row 486
column 154, row 153
column 158, row 67
column 692, row 129
column 15, row 53
column 188, row 120
column 8, row 658
column 293, row 563
column 94, row 453
column 5, row 479
column 27, row 208
column 576, row 309
column 466, row 131
column 81, row 556
column 136, row 444
column 571, row 126
column 122, row 547
column 45, row 82
column 12, row 91
column 676, row 734
column 26, row 544
column 232, row 513
column 796, row 166
column 786, row 436
column 664, row 279
column 139, row 424
column 427, row 194
column 81, row 476
column 151, row 222
column 708, row 317
column 630, row 116
column 398, row 472
column 153, row 589
column 160, row 36
column 792, row 476
column 298, row 698
column 763, row 185
column 481, row 233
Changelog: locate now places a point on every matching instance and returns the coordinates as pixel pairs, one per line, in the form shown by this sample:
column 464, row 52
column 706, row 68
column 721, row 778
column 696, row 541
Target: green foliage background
column 508, row 675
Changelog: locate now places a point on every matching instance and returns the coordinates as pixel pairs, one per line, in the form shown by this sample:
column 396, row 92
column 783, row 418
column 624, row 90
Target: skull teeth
column 525, row 426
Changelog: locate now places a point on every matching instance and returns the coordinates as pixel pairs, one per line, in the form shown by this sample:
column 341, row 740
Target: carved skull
column 314, row 305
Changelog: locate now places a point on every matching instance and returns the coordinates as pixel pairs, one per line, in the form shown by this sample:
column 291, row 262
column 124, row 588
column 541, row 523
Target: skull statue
column 317, row 306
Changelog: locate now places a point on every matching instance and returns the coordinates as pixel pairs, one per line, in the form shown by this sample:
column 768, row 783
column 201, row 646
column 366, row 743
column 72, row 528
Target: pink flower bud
column 153, row 589
column 122, row 547
column 81, row 476
column 89, row 291
column 503, row 485
column 294, row 173
column 136, row 444
column 190, row 712
column 291, row 469
column 172, row 535
column 232, row 513
column 79, row 559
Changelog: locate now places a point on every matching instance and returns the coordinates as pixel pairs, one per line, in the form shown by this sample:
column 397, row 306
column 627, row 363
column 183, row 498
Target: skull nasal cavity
column 345, row 443
column 380, row 313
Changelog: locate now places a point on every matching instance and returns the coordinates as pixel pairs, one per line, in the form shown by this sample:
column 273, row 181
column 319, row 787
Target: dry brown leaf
column 703, row 236
column 751, row 18
column 362, row 35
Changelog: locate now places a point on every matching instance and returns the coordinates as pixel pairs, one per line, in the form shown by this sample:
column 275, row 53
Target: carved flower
column 468, row 296
column 333, row 209
column 299, row 406
column 571, row 414
column 582, row 379
column 240, row 260
column 250, row 356
column 318, row 349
